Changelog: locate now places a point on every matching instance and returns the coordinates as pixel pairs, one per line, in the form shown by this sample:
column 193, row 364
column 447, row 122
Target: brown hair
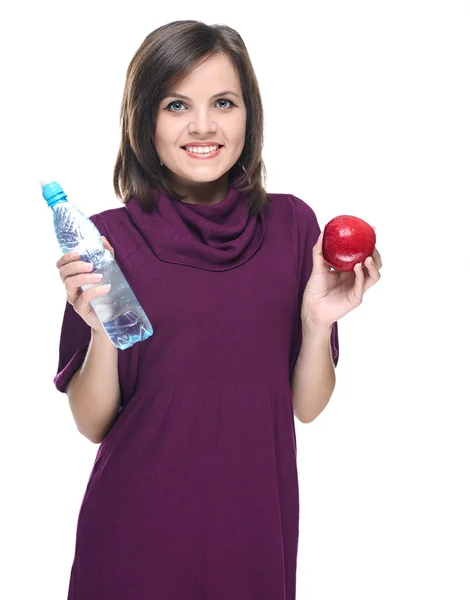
column 164, row 58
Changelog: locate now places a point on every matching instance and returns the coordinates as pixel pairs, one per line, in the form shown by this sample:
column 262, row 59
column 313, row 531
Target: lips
column 201, row 146
column 203, row 155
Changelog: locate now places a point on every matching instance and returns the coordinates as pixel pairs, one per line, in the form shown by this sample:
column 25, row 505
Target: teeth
column 201, row 149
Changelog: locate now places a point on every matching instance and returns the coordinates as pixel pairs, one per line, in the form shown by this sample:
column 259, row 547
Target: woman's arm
column 314, row 377
column 94, row 392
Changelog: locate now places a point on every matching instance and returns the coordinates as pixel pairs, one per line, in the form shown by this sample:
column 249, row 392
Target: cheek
column 163, row 132
column 242, row 125
column 238, row 129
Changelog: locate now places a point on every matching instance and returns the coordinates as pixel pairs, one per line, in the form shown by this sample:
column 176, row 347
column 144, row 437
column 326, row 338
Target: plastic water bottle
column 123, row 319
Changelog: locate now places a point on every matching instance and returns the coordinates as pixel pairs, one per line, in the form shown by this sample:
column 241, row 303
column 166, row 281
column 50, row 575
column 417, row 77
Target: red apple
column 347, row 240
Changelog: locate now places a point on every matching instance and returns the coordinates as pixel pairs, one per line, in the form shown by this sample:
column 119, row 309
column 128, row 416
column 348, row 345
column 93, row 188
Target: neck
column 206, row 193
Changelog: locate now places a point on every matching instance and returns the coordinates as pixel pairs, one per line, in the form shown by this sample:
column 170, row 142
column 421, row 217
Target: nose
column 203, row 122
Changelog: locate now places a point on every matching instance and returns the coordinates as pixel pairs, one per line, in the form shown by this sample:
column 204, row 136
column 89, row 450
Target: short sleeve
column 306, row 231
column 75, row 338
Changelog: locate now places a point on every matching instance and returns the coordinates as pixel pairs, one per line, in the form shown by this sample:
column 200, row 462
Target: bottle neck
column 57, row 201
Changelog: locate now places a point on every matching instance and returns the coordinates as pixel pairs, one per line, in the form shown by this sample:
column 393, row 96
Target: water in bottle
column 123, row 319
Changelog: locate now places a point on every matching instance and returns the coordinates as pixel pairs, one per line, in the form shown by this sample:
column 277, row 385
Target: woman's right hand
column 75, row 273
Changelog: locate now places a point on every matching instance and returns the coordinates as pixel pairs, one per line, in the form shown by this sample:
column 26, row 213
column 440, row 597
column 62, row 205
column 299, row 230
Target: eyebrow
column 226, row 93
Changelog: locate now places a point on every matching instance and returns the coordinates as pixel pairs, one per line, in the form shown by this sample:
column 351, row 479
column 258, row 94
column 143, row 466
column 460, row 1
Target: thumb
column 319, row 263
column 107, row 245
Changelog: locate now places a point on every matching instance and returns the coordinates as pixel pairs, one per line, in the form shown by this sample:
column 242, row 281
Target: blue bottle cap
column 52, row 192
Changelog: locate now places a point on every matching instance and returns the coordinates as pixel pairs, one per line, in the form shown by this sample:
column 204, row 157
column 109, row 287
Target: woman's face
column 204, row 115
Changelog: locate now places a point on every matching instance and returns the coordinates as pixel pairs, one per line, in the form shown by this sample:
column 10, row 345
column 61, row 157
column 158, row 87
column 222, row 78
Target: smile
column 203, row 155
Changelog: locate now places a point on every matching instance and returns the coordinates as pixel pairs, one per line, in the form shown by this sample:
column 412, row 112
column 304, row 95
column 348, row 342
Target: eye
column 226, row 100
column 176, row 102
column 171, row 104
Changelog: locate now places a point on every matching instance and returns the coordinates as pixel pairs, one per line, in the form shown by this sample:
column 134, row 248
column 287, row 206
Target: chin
column 188, row 178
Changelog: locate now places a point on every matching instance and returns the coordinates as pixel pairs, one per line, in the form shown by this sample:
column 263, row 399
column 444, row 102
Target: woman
column 194, row 491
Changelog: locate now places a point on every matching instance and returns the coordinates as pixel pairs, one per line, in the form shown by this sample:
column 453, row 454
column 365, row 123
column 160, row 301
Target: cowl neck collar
column 214, row 237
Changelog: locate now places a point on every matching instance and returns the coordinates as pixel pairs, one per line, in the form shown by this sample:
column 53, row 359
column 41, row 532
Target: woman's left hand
column 329, row 295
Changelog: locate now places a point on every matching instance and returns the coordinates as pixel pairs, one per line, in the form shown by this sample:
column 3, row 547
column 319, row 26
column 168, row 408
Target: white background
column 367, row 109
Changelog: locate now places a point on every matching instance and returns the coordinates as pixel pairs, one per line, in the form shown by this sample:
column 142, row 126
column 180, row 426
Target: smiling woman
column 194, row 490
column 180, row 97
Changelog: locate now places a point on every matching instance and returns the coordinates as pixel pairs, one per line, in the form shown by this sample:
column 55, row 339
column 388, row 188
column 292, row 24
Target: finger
column 319, row 242
column 73, row 285
column 377, row 258
column 88, row 295
column 75, row 268
column 358, row 287
column 107, row 245
column 319, row 264
column 375, row 261
column 373, row 273
column 66, row 258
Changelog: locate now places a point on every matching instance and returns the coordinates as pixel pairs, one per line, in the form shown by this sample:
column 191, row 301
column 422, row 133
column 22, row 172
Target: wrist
column 316, row 329
column 100, row 335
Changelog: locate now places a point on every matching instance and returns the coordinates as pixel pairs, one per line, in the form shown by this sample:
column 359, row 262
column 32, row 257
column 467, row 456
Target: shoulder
column 109, row 216
column 302, row 221
column 110, row 220
column 294, row 208
column 117, row 227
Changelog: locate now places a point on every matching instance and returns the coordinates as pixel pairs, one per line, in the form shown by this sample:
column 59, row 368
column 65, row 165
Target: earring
column 161, row 164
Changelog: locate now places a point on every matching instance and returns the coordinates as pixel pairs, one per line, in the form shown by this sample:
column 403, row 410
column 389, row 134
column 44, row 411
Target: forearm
column 93, row 392
column 314, row 378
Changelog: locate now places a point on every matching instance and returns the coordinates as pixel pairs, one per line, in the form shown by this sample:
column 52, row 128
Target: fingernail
column 106, row 287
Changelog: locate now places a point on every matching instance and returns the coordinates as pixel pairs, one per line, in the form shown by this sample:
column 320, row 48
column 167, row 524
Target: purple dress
column 194, row 493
